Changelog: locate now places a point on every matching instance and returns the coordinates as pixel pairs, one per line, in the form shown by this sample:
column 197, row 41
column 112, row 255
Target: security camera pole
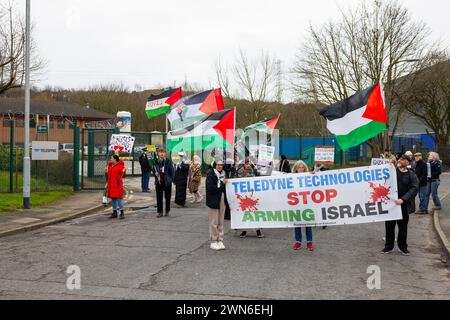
column 26, row 158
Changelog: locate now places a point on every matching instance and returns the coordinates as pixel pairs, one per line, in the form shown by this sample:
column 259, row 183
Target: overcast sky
column 152, row 43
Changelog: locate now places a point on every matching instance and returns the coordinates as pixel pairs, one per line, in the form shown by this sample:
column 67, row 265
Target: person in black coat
column 215, row 201
column 421, row 173
column 163, row 171
column 230, row 173
column 181, row 179
column 284, row 165
column 408, row 185
column 146, row 170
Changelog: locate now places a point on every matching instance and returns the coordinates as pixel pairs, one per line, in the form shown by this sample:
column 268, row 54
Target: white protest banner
column 121, row 142
column 380, row 161
column 44, row 150
column 324, row 155
column 338, row 197
column 265, row 155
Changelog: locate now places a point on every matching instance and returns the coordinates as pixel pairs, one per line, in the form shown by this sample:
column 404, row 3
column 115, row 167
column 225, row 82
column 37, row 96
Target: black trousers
column 163, row 191
column 402, row 232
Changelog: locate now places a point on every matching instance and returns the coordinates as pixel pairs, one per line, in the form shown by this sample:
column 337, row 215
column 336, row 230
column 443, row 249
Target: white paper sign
column 121, row 143
column 265, row 155
column 338, row 197
column 44, row 150
column 324, row 155
column 380, row 161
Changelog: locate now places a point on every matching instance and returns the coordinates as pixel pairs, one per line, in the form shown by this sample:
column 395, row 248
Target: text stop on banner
column 339, row 197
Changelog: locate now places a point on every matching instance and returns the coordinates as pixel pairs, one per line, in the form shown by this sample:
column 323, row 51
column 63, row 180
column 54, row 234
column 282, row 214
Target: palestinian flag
column 264, row 126
column 357, row 119
column 193, row 108
column 162, row 103
column 215, row 131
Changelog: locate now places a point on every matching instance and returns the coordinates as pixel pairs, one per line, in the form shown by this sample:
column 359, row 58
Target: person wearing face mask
column 215, row 201
column 408, row 186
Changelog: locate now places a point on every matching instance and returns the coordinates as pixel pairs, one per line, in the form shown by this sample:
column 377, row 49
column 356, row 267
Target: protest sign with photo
column 338, row 197
column 380, row 161
column 324, row 155
column 121, row 143
column 265, row 155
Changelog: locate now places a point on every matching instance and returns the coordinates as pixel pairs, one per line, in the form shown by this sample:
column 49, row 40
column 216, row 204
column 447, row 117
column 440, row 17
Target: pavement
column 143, row 257
column 441, row 219
column 74, row 206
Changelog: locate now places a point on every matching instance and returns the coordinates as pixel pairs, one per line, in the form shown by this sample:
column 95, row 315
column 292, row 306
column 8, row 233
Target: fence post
column 11, row 155
column 76, row 158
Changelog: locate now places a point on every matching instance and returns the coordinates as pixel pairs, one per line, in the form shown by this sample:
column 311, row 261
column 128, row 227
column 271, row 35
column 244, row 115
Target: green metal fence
column 45, row 175
column 95, row 155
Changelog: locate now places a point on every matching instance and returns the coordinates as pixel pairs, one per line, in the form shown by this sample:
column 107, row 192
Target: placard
column 324, row 155
column 265, row 155
column 121, row 143
column 44, row 150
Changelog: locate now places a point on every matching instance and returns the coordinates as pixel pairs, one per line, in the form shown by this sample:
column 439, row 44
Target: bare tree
column 12, row 49
column 368, row 44
column 223, row 78
column 256, row 80
column 426, row 95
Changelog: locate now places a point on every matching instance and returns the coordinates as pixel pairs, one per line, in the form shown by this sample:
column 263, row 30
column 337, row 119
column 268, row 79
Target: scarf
column 220, row 177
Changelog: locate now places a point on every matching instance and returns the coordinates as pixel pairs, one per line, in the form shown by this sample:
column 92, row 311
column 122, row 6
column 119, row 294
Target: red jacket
column 114, row 187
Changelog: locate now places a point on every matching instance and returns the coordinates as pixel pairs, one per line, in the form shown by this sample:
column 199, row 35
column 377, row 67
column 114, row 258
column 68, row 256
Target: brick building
column 61, row 117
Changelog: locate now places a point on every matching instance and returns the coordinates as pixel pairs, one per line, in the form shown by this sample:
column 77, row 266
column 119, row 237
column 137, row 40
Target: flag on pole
column 162, row 103
column 191, row 109
column 357, row 119
column 265, row 125
column 215, row 131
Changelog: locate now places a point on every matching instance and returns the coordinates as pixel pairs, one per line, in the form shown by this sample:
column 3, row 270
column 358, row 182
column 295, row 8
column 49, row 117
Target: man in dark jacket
column 408, row 185
column 421, row 173
column 163, row 170
column 145, row 170
column 284, row 165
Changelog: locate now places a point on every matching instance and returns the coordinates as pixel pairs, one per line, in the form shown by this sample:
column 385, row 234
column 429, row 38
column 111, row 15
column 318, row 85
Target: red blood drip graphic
column 247, row 203
column 380, row 193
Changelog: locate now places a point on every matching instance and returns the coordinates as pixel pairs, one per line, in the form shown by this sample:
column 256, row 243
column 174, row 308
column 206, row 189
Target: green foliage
column 14, row 202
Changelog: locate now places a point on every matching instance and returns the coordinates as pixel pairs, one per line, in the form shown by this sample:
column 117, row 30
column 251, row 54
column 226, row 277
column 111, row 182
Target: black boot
column 167, row 213
column 122, row 215
column 113, row 215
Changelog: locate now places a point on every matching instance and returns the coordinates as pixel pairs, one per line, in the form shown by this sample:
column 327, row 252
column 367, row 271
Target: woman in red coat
column 115, row 171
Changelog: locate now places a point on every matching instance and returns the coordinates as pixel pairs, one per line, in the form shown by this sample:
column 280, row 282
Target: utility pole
column 279, row 81
column 26, row 158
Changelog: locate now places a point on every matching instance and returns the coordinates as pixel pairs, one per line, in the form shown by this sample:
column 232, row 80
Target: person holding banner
column 408, row 186
column 163, row 170
column 302, row 167
column 247, row 171
column 215, row 201
column 115, row 172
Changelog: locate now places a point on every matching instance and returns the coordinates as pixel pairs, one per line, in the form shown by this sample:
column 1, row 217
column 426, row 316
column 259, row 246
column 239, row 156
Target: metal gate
column 94, row 144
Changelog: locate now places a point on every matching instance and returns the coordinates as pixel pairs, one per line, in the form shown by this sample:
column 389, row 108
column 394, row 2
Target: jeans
column 423, row 197
column 432, row 189
column 434, row 193
column 145, row 178
column 298, row 234
column 117, row 202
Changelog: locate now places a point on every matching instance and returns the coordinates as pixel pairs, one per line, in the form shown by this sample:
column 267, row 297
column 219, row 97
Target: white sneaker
column 200, row 198
column 220, row 245
column 214, row 246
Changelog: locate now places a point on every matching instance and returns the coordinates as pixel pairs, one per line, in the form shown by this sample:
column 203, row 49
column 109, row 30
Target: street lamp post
column 26, row 158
